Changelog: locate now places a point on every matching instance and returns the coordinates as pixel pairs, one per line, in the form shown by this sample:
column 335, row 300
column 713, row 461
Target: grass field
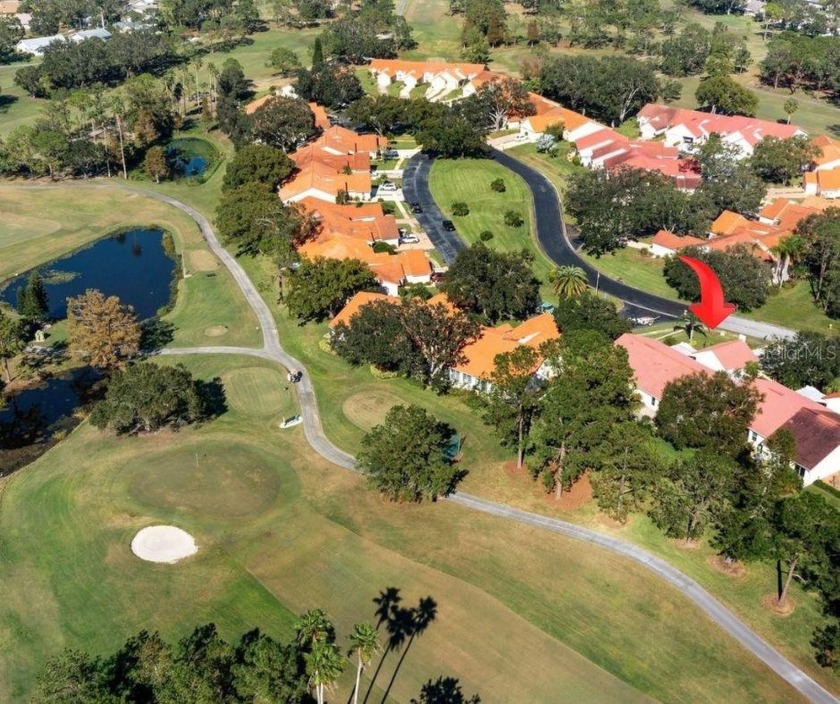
column 468, row 180
column 40, row 224
column 522, row 615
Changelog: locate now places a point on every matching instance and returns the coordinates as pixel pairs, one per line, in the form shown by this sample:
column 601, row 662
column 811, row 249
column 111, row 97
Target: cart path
column 272, row 350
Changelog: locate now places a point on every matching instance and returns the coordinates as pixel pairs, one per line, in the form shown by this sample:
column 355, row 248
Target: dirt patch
column 202, row 260
column 580, row 494
column 771, row 603
column 215, row 331
column 730, row 569
column 610, row 522
column 683, row 544
column 514, row 471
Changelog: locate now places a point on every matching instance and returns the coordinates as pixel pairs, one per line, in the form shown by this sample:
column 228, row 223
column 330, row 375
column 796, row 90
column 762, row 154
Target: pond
column 192, row 157
column 33, row 417
column 133, row 265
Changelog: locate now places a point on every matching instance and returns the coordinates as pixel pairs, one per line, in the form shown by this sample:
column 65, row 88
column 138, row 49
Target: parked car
column 437, row 277
column 521, row 137
column 409, row 238
column 392, row 154
column 388, row 187
column 415, row 207
column 449, row 226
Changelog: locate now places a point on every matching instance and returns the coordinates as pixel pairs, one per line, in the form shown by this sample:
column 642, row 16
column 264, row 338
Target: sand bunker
column 163, row 544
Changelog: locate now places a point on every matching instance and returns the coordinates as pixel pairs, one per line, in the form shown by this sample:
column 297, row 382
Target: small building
column 37, row 45
column 824, row 183
column 666, row 244
column 97, row 33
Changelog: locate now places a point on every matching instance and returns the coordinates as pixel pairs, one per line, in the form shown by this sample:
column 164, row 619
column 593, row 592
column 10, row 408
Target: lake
column 192, row 156
column 133, row 266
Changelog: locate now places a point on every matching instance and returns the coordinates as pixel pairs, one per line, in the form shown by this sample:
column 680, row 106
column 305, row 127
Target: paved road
column 556, row 241
column 415, row 188
column 314, row 432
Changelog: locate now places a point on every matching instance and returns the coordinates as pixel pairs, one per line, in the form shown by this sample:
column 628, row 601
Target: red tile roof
column 669, row 240
column 356, row 303
column 779, row 405
column 816, row 433
column 655, row 364
column 732, row 355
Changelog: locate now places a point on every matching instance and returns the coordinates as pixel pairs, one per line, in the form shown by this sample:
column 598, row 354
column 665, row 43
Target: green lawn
column 289, row 532
column 632, row 267
column 557, row 168
column 468, row 180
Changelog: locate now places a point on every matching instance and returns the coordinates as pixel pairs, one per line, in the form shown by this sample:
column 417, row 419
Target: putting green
column 211, row 480
column 258, row 392
column 369, row 408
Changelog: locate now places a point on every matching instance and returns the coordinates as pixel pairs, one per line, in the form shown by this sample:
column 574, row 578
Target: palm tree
column 690, row 324
column 568, row 281
column 789, row 249
column 313, row 627
column 324, row 664
column 118, row 108
column 364, row 642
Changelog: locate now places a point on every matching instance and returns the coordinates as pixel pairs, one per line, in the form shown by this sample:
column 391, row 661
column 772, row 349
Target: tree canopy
column 406, row 458
column 145, row 397
column 496, row 285
column 102, row 330
column 320, row 287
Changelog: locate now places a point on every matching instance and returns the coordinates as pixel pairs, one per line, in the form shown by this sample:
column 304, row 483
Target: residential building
column 687, row 129
column 36, row 45
column 479, row 356
column 322, row 181
column 824, row 183
column 355, row 304
column 666, row 244
column 829, row 159
column 97, row 33
column 816, row 429
column 365, row 222
column 441, row 78
column 548, row 113
column 340, row 140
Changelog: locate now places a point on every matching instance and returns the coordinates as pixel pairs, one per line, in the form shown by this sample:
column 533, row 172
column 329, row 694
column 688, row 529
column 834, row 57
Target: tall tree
column 283, row 122
column 590, row 312
column 807, row 359
column 725, row 95
column 629, row 465
column 513, row 400
column 12, row 340
column 32, row 300
column 497, row 285
column 364, row 642
column 144, row 397
column 102, row 330
column 319, row 288
column 691, row 493
column 406, row 458
column 258, row 166
column 707, row 411
column 821, row 232
column 581, row 405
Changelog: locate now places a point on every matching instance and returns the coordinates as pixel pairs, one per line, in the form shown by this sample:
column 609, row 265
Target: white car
column 409, row 238
column 388, row 187
column 522, row 137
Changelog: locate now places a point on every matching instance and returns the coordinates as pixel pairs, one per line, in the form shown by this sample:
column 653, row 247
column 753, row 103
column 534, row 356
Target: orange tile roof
column 321, row 119
column 356, row 211
column 818, row 203
column 830, row 149
column 441, row 299
column 480, row 355
column 344, row 141
column 367, row 222
column 543, row 120
column 304, row 156
column 541, row 104
column 727, row 222
column 669, row 240
column 420, row 68
column 829, row 180
column 323, row 178
column 415, row 262
column 355, row 304
column 773, row 210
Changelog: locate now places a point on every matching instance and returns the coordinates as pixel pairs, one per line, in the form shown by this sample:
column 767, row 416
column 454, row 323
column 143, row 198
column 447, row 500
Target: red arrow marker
column 712, row 309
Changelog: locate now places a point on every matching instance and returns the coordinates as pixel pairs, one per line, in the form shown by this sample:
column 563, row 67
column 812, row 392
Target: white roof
column 37, row 44
column 811, row 392
column 684, row 348
column 97, row 33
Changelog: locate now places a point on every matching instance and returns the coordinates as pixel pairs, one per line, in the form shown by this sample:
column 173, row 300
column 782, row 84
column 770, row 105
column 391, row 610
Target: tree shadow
column 402, row 626
column 834, row 129
column 156, row 334
column 213, row 396
column 444, row 690
column 6, row 101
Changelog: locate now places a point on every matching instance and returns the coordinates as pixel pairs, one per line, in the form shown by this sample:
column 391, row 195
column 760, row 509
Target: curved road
column 314, row 432
column 554, row 240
